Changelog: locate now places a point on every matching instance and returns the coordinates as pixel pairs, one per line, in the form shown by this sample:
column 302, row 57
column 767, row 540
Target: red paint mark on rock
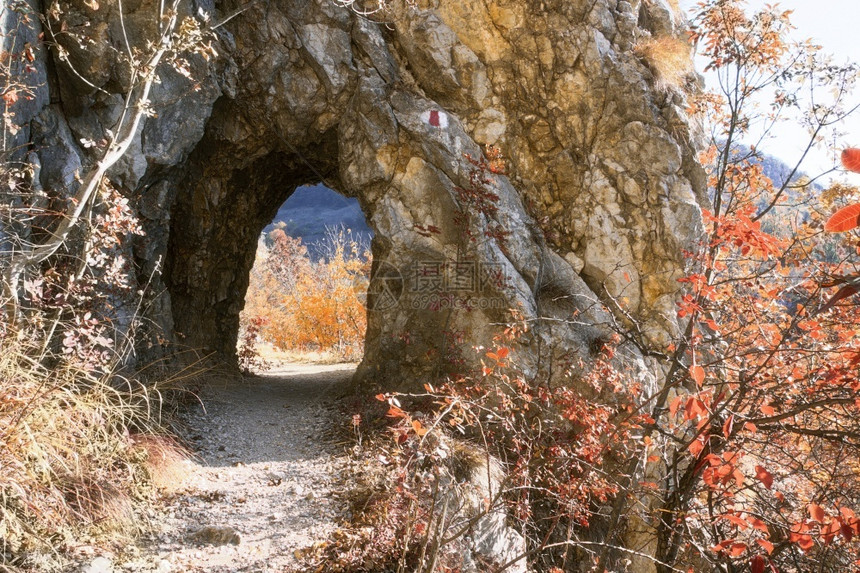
column 434, row 118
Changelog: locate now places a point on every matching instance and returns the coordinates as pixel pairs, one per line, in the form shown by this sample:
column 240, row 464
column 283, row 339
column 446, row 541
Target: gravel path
column 263, row 487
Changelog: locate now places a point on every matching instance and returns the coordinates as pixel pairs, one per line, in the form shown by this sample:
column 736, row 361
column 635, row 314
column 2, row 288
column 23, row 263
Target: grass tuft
column 164, row 460
column 670, row 59
column 77, row 452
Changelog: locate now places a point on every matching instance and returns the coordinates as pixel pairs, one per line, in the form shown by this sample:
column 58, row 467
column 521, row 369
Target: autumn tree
column 758, row 410
column 310, row 305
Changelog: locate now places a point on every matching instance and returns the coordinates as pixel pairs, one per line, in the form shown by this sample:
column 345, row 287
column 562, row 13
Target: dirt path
column 263, row 487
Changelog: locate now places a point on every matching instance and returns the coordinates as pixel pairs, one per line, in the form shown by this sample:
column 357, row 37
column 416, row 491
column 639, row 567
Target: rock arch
column 599, row 197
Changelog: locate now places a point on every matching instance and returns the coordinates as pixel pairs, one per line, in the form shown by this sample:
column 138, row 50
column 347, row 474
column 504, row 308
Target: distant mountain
column 795, row 202
column 775, row 168
column 312, row 210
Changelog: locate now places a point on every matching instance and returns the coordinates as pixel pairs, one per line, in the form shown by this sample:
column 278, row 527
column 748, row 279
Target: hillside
column 312, row 210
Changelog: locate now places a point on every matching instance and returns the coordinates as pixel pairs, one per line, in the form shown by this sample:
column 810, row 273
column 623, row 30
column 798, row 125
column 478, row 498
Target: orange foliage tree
column 308, row 305
column 758, row 411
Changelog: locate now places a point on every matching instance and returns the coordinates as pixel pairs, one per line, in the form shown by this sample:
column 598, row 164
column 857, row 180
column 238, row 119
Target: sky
column 835, row 25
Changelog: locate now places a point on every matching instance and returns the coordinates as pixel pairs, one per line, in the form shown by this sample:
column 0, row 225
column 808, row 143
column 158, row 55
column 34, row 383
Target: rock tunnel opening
column 308, row 285
column 223, row 199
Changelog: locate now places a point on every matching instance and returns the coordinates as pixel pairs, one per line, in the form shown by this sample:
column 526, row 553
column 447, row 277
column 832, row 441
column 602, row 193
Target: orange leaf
column 418, row 427
column 503, row 352
column 738, row 549
column 767, row 410
column 674, row 405
column 697, row 373
column 816, row 512
column 698, row 445
column 851, row 159
column 766, row 545
column 764, row 476
column 395, row 412
column 844, row 219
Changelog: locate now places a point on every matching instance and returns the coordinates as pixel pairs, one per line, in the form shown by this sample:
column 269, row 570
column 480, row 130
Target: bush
column 309, row 306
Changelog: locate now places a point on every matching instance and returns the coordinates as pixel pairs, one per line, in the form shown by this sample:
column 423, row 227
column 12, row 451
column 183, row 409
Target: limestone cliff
column 599, row 199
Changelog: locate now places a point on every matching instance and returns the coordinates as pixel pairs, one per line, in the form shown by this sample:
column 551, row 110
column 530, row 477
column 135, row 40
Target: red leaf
column 759, row 524
column 757, row 564
column 805, row 542
column 764, row 476
column 729, row 425
column 766, row 545
column 737, row 520
column 697, row 373
column 503, row 352
column 738, row 549
column 816, row 512
column 844, row 219
column 851, row 159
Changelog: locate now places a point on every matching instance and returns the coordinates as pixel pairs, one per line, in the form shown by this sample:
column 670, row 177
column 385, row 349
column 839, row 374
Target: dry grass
column 378, row 537
column 164, row 459
column 670, row 59
column 75, row 455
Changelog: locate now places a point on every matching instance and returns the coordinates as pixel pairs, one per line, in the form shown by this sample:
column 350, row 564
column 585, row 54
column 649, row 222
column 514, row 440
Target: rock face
column 599, row 198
